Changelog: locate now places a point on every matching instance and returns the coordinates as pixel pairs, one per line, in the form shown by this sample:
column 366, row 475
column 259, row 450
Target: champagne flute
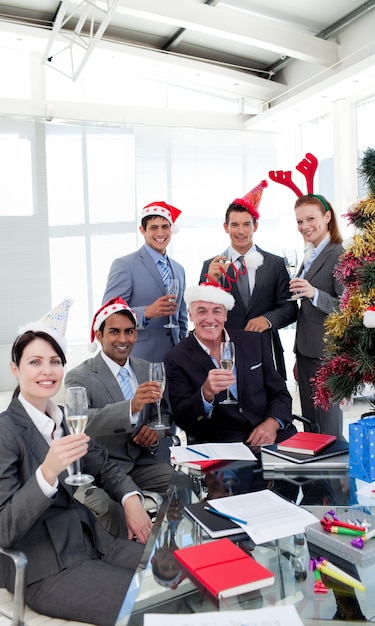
column 227, row 359
column 172, row 289
column 290, row 261
column 76, row 412
column 157, row 373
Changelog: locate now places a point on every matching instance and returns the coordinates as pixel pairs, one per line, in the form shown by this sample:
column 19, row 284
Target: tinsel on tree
column 349, row 353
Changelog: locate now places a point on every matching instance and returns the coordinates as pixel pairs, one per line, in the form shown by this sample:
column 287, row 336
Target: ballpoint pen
column 231, row 517
column 205, row 456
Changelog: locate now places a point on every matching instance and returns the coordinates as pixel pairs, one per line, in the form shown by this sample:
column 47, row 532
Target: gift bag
column 362, row 449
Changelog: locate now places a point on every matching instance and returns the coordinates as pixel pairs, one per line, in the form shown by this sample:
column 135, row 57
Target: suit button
column 240, row 410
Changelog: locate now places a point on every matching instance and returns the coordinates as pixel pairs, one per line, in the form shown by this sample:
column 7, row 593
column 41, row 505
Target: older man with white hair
column 261, row 412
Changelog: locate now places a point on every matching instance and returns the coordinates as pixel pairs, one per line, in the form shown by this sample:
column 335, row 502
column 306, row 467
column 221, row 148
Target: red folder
column 306, row 443
column 223, row 568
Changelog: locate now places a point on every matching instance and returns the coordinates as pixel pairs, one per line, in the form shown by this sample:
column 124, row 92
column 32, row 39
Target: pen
column 231, row 517
column 197, row 452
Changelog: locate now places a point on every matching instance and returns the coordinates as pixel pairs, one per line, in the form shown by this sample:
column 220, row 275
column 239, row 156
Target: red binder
column 306, row 443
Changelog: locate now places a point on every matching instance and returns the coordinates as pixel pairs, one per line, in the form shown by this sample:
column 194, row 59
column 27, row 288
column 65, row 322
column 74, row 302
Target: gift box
column 362, row 449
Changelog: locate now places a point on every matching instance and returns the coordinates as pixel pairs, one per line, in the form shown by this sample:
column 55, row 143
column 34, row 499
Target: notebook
column 214, row 525
column 335, row 456
column 223, row 568
column 306, row 443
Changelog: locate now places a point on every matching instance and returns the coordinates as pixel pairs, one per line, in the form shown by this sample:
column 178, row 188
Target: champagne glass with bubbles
column 157, row 374
column 290, row 261
column 227, row 359
column 172, row 289
column 76, row 412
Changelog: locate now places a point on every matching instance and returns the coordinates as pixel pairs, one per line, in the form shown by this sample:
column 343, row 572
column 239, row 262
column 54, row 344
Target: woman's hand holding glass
column 62, row 453
column 301, row 288
column 76, row 413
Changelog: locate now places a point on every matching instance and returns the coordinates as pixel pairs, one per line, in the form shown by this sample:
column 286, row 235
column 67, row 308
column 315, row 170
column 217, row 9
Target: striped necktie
column 243, row 282
column 166, row 273
column 124, row 382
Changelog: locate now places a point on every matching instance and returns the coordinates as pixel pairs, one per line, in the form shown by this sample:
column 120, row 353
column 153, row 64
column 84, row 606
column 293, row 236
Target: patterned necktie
column 243, row 282
column 166, row 273
column 124, row 382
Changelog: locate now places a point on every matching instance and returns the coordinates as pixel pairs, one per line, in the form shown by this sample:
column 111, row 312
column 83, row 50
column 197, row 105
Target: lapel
column 106, row 378
column 260, row 278
column 149, row 264
column 319, row 261
column 34, row 441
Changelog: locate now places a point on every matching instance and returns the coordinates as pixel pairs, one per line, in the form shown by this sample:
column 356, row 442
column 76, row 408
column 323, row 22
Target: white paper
column 267, row 516
column 269, row 616
column 236, row 451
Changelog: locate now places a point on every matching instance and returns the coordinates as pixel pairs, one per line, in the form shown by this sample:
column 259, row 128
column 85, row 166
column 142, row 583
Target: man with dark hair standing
column 258, row 280
column 140, row 278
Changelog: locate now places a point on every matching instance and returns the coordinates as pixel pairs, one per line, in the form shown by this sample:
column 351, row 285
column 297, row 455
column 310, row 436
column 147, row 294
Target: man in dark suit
column 140, row 278
column 264, row 307
column 118, row 422
column 197, row 384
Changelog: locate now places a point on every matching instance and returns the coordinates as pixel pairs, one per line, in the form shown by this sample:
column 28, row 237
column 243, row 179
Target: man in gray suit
column 140, row 279
column 260, row 285
column 117, row 422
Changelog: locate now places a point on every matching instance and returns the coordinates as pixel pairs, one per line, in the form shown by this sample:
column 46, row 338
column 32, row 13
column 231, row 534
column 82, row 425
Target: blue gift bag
column 362, row 449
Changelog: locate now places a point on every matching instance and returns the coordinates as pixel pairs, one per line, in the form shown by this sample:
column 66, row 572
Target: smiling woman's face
column 39, row 373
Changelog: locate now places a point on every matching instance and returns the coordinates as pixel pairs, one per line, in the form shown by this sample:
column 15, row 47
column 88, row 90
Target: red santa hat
column 163, row 210
column 109, row 308
column 207, row 292
column 251, row 200
column 52, row 323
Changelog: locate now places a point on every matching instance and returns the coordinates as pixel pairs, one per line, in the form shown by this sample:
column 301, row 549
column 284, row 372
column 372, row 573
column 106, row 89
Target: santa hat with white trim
column 52, row 323
column 115, row 305
column 162, row 209
column 207, row 292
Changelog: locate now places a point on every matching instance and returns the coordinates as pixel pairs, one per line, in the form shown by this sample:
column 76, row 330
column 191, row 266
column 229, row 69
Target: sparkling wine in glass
column 76, row 412
column 157, row 374
column 290, row 261
column 172, row 289
column 227, row 360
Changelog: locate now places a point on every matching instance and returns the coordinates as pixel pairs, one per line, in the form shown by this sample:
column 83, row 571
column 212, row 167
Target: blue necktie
column 124, row 382
column 166, row 272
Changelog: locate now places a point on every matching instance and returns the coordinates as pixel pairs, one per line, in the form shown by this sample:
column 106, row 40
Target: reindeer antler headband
column 307, row 167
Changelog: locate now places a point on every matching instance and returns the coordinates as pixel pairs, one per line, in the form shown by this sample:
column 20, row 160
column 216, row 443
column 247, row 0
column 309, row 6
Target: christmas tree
column 349, row 354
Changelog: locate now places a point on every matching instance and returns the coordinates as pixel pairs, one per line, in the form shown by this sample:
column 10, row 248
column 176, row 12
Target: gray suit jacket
column 108, row 417
column 136, row 279
column 310, row 321
column 269, row 298
column 48, row 530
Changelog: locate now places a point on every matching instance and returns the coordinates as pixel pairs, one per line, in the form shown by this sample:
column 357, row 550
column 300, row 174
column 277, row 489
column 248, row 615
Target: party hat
column 252, row 199
column 53, row 323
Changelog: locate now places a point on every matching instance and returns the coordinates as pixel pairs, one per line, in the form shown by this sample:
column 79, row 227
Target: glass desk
column 159, row 586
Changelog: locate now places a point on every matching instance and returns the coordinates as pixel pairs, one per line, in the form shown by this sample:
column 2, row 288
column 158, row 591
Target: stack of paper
column 206, row 454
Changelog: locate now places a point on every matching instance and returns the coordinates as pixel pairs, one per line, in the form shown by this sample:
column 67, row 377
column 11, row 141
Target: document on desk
column 236, row 451
column 268, row 616
column 264, row 515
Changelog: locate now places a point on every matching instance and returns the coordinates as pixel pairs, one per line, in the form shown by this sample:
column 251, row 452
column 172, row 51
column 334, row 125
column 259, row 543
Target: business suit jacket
column 261, row 390
column 136, row 279
column 108, row 416
column 48, row 530
column 269, row 298
column 310, row 320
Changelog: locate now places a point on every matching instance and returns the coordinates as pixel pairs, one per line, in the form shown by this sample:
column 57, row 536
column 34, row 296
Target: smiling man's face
column 157, row 233
column 209, row 319
column 118, row 337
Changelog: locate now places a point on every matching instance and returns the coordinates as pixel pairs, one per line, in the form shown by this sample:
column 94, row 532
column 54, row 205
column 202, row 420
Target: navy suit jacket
column 262, row 391
column 269, row 298
column 136, row 279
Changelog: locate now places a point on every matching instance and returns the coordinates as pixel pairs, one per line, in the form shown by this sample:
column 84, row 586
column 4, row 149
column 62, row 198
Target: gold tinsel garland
column 337, row 322
column 365, row 207
column 364, row 244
